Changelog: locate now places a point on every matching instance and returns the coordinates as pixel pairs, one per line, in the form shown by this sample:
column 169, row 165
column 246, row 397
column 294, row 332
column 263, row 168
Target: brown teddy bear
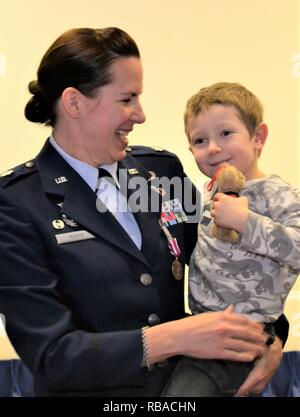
column 229, row 181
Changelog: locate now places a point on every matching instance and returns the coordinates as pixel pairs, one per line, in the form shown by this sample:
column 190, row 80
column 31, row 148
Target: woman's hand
column 212, row 335
column 264, row 369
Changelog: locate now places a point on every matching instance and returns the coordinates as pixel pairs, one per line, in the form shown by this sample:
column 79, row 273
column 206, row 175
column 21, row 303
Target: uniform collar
column 87, row 172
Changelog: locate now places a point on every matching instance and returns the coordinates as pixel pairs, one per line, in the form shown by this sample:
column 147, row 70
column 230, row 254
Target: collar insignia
column 133, row 171
column 60, row 180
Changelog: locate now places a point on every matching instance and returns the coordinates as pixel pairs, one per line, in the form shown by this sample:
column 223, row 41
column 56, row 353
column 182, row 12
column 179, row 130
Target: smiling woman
column 98, row 125
column 89, row 95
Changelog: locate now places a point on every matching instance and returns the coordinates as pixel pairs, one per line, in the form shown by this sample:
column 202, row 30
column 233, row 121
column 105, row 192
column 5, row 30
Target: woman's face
column 108, row 118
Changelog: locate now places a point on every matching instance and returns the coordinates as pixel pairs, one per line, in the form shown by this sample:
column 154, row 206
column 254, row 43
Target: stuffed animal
column 229, row 181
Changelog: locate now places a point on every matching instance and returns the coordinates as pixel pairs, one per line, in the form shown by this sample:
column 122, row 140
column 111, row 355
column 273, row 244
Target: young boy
column 224, row 125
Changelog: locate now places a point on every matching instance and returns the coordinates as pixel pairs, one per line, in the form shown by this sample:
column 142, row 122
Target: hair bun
column 36, row 109
column 34, row 88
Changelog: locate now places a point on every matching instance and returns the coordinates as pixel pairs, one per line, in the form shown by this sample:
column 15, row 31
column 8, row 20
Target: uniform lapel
column 147, row 219
column 79, row 200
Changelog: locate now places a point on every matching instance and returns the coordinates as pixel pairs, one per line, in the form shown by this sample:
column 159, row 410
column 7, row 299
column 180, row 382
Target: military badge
column 58, row 224
column 69, row 221
column 172, row 213
column 177, row 269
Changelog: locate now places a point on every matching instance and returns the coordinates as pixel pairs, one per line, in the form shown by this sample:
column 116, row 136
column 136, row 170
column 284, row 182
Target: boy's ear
column 70, row 100
column 260, row 136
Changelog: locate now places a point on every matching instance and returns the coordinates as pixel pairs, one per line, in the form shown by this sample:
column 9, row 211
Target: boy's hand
column 230, row 212
column 265, row 367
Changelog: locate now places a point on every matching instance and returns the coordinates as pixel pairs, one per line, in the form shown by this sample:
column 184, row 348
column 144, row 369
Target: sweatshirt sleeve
column 275, row 234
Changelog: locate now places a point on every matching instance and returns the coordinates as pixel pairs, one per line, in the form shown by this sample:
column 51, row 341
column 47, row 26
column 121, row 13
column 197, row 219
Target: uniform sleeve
column 40, row 324
column 276, row 237
column 193, row 204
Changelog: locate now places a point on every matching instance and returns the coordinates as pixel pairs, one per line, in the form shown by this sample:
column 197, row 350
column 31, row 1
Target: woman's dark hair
column 79, row 58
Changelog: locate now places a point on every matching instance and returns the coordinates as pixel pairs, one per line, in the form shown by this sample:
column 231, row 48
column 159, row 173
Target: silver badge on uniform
column 158, row 190
column 60, row 180
column 69, row 221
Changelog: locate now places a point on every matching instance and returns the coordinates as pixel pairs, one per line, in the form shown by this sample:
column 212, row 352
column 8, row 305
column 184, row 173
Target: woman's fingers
column 223, row 335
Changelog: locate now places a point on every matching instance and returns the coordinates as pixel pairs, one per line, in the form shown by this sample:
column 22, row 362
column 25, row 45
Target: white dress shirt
column 107, row 192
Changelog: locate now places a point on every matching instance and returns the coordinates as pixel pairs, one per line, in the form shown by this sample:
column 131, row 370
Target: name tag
column 69, row 237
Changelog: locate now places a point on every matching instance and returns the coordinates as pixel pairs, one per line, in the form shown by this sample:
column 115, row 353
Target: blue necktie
column 116, row 202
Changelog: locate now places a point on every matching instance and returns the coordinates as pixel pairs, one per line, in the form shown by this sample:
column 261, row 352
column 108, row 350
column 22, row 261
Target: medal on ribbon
column 177, row 269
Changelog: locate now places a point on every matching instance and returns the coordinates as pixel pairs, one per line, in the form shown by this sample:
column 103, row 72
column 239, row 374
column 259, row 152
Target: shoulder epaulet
column 14, row 174
column 137, row 150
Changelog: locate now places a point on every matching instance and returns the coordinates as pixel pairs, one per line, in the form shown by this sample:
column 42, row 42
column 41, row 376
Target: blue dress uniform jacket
column 74, row 311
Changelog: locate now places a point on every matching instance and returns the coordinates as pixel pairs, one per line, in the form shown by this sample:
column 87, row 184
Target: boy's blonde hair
column 246, row 103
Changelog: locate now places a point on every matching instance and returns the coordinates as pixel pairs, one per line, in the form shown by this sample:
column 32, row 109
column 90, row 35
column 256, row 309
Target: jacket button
column 146, row 279
column 153, row 319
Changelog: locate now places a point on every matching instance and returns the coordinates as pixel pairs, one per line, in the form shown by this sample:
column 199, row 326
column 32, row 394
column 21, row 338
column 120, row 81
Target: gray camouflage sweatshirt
column 256, row 273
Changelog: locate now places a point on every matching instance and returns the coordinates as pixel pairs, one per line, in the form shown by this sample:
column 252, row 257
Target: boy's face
column 217, row 136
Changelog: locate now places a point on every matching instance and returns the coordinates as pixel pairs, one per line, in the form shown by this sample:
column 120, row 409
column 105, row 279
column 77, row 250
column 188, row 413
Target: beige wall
column 184, row 46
